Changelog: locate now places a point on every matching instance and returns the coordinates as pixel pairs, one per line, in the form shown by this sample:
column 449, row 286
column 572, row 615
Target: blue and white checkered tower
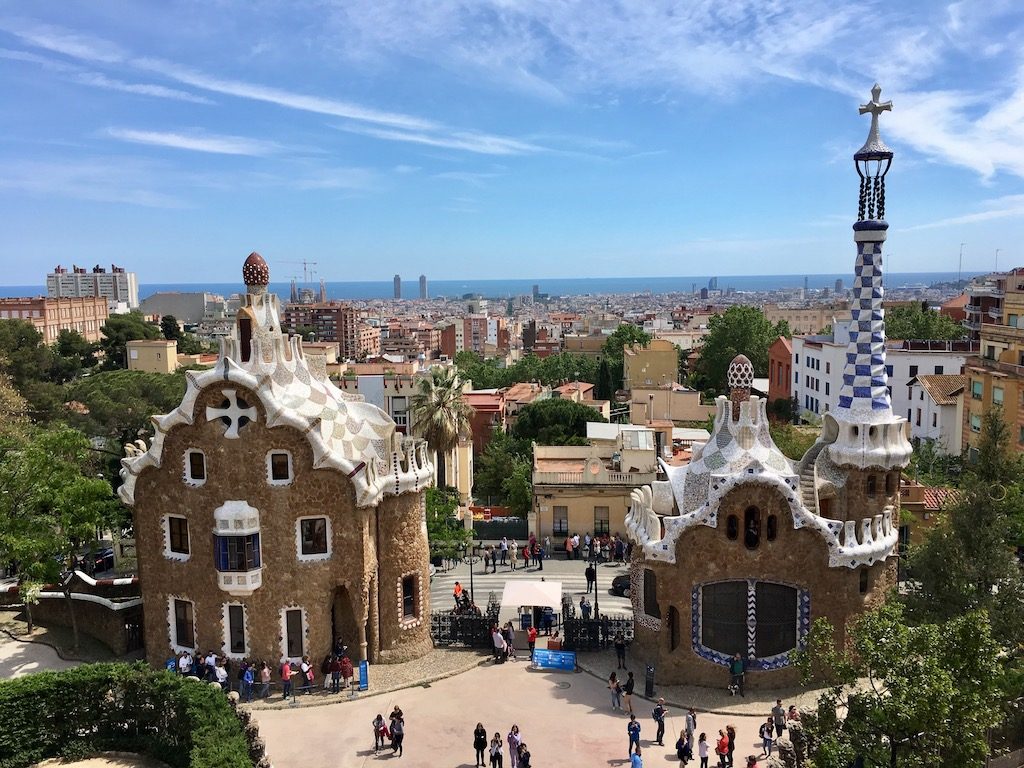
column 869, row 433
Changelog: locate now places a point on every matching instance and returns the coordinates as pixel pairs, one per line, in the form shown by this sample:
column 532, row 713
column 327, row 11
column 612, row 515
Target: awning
column 544, row 593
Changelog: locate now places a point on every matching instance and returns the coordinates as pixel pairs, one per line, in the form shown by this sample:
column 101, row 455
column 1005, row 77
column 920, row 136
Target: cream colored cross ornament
column 233, row 413
column 875, row 107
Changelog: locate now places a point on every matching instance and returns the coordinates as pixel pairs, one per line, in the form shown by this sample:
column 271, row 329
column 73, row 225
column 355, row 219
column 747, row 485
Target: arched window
column 724, row 613
column 863, row 581
column 872, row 483
column 888, row 483
column 752, row 527
column 772, row 527
column 732, row 527
column 651, row 607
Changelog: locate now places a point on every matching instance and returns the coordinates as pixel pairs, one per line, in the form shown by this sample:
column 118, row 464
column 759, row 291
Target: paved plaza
column 565, row 718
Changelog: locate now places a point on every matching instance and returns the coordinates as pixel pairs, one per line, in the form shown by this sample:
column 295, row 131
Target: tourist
column 538, row 556
column 779, row 716
column 616, row 689
column 547, row 543
column 767, row 731
column 494, row 560
column 792, row 715
column 635, row 761
column 487, row 556
column 479, row 742
column 513, row 740
column 751, row 761
column 495, row 750
column 325, row 670
column 222, row 675
column 504, row 549
column 730, row 732
column 702, row 750
column 576, row 546
column 620, row 650
column 691, row 726
column 335, row 670
column 591, row 574
column 513, row 554
column 380, row 732
column 627, row 690
column 264, row 680
column 633, row 731
column 247, row 681
column 736, row 670
column 286, row 677
column 568, row 547
column 684, row 752
column 397, row 734
column 524, row 757
column 499, row 644
column 457, row 593
column 347, row 671
column 582, row 599
column 585, row 607
column 531, row 639
column 722, row 749
column 587, row 541
column 307, row 675
column 184, row 663
column 659, row 717
column 527, row 555
column 210, row 673
column 549, row 619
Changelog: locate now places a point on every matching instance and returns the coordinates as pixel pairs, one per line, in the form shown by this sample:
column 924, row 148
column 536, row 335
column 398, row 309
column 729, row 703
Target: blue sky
column 502, row 138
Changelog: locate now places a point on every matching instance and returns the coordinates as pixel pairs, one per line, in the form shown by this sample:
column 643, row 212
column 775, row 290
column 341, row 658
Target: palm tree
column 440, row 415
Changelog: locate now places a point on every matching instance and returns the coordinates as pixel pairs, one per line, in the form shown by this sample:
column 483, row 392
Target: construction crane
column 306, row 271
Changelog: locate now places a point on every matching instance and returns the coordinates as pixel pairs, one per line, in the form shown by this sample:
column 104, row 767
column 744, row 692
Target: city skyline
column 471, row 141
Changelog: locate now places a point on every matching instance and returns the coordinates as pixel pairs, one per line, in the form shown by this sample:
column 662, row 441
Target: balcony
column 607, row 477
column 971, row 325
column 972, row 309
column 996, row 313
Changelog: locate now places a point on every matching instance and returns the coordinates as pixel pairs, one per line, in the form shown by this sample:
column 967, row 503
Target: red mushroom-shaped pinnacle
column 255, row 270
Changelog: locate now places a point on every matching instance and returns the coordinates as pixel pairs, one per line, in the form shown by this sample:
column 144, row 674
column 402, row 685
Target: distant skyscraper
column 423, row 286
column 398, row 286
column 115, row 286
column 839, row 286
column 713, row 284
column 536, row 291
column 805, row 284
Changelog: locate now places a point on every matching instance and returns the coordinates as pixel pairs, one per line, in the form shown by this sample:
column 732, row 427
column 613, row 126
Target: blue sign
column 545, row 659
column 364, row 675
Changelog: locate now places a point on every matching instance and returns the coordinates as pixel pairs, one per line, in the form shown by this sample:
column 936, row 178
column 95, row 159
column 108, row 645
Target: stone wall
column 236, row 470
column 797, row 557
column 95, row 620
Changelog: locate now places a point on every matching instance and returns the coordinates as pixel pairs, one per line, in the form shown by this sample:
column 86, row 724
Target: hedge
column 118, row 707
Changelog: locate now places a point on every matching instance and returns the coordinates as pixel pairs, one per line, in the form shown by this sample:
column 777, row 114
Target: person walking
column 691, row 726
column 286, row 677
column 635, row 760
column 722, row 749
column 591, row 574
column 633, row 731
column 730, row 732
column 480, row 743
column 380, row 732
column 779, row 717
column 513, row 554
column 513, row 740
column 248, row 678
column 503, row 547
column 767, row 732
column 702, row 750
column 616, row 689
column 659, row 717
column 495, row 749
column 620, row 650
column 531, row 639
column 524, row 756
column 627, row 689
column 538, row 556
column 397, row 735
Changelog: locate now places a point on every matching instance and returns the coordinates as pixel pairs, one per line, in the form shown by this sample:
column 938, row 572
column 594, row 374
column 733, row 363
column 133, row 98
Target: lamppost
column 593, row 558
column 469, row 562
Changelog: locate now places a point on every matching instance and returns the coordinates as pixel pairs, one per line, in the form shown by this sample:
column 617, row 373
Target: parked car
column 620, row 585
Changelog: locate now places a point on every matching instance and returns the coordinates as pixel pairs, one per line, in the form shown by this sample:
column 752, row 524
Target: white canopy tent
column 542, row 593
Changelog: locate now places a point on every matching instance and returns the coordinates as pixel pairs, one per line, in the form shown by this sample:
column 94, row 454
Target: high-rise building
column 398, row 286
column 839, row 286
column 337, row 322
column 116, row 286
column 423, row 286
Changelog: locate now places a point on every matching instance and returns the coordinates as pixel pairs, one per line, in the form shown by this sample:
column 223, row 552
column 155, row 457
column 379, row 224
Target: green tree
column 24, row 356
column 51, row 504
column 189, row 344
column 740, row 330
column 965, row 561
column 118, row 331
column 495, row 464
column 169, row 327
column 118, row 405
column 917, row 321
column 625, row 335
column 445, row 533
column 440, row 414
column 604, row 388
column 793, row 441
column 913, row 696
column 517, row 487
column 555, row 422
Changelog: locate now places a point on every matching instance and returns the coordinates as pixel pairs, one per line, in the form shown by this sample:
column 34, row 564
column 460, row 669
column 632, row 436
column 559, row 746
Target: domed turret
column 255, row 272
column 740, row 378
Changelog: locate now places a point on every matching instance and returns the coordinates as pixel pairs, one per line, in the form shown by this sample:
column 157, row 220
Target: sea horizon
column 565, row 286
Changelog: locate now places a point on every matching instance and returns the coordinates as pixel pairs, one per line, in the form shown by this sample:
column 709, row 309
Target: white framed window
column 294, row 629
column 235, row 619
column 177, row 545
column 195, row 467
column 279, row 467
column 313, row 538
column 182, row 623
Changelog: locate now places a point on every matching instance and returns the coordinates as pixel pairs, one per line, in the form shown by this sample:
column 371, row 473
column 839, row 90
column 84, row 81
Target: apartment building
column 334, row 321
column 937, row 410
column 50, row 316
column 807, row 319
column 656, row 364
column 996, row 373
column 153, row 355
column 780, row 369
column 116, row 286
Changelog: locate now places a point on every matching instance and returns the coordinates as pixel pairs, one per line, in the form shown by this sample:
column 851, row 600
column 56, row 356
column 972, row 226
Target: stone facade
column 275, row 514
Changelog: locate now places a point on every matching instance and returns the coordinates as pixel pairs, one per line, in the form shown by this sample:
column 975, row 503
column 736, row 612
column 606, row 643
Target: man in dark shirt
column 659, row 717
column 736, row 670
column 591, row 574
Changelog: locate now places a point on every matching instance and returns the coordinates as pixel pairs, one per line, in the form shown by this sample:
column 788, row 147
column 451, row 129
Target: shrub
column 101, row 707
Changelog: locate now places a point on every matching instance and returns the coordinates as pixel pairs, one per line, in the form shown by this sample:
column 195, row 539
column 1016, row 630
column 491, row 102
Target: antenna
column 960, row 268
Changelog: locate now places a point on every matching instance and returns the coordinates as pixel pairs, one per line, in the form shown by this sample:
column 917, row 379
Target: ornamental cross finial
column 875, row 107
column 235, row 413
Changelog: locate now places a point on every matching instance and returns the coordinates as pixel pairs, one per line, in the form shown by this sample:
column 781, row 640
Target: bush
column 102, row 707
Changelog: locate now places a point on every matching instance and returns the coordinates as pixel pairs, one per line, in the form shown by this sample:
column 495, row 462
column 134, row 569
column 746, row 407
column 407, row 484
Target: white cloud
column 122, row 180
column 196, row 142
column 474, row 179
column 97, row 80
column 468, row 141
column 64, row 41
column 1006, row 207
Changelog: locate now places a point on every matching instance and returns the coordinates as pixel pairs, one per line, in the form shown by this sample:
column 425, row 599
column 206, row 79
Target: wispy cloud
column 481, row 143
column 104, row 180
column 474, row 179
column 1006, row 207
column 64, row 41
column 97, row 80
column 196, row 141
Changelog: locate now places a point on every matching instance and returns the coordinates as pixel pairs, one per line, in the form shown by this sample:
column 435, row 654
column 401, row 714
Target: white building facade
column 117, row 286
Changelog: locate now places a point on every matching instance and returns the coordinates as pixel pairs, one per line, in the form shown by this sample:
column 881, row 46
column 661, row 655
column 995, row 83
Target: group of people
column 504, row 640
column 777, row 722
column 518, row 754
column 392, row 730
column 602, row 548
column 464, row 605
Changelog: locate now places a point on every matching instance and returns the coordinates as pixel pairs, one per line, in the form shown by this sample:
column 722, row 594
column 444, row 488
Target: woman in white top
column 496, row 746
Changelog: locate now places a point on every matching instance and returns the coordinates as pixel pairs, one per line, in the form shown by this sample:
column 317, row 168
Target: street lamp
column 469, row 561
column 597, row 604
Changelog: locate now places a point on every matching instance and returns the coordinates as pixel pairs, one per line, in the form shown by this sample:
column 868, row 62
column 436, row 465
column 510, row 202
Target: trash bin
column 649, row 682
